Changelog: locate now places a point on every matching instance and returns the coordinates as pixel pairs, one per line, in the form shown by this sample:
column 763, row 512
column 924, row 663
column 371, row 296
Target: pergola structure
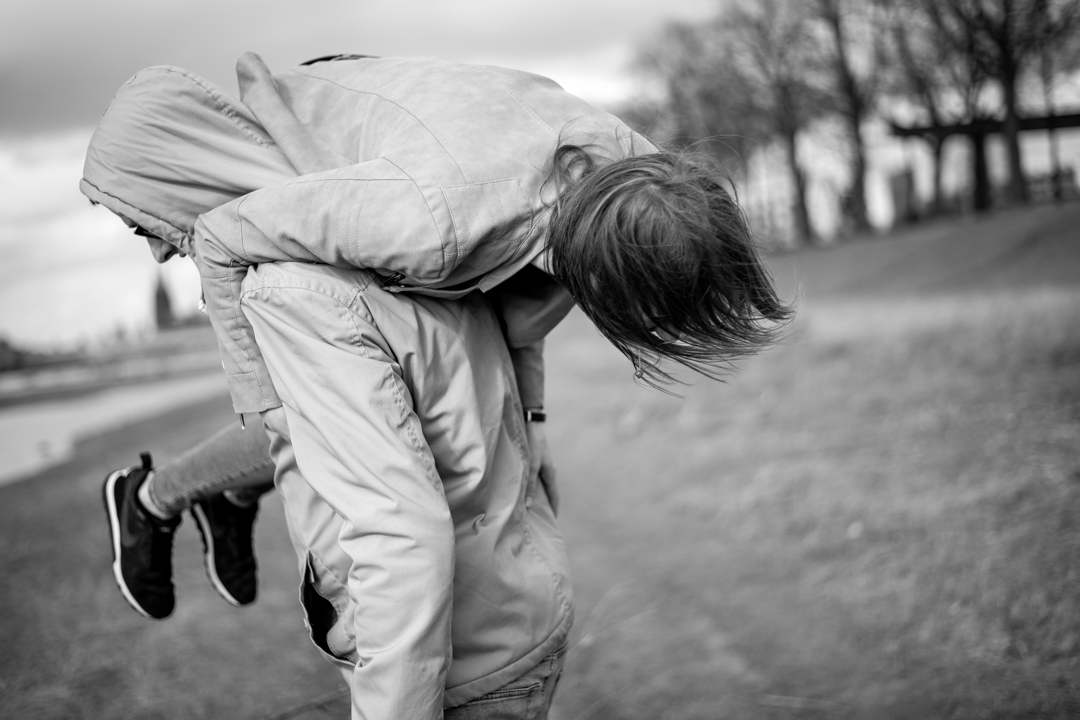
column 977, row 132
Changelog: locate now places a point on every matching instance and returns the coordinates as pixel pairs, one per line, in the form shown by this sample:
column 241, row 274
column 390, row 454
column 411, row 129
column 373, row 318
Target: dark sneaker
column 142, row 544
column 226, row 534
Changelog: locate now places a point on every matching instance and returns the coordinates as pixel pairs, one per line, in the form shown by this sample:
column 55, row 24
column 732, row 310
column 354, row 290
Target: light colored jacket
column 171, row 146
column 441, row 190
column 404, row 465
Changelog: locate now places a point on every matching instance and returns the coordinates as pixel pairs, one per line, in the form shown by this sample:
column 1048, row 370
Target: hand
column 252, row 76
column 541, row 467
column 260, row 93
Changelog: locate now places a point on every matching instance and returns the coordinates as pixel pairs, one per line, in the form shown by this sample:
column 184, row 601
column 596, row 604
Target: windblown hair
column 656, row 242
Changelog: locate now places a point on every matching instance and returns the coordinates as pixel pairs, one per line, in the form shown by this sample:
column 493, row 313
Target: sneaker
column 141, row 543
column 226, row 534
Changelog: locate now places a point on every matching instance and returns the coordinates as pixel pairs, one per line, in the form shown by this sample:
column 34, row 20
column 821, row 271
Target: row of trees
column 763, row 71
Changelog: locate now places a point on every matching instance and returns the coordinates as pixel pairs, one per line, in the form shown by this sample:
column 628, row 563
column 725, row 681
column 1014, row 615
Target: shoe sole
column 203, row 524
column 109, row 492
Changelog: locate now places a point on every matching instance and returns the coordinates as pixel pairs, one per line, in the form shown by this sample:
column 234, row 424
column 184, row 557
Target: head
column 162, row 250
column 172, row 146
column 656, row 251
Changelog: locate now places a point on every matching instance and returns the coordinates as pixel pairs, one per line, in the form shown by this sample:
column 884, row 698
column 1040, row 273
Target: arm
column 528, row 364
column 260, row 93
column 358, row 442
column 531, row 304
column 335, row 218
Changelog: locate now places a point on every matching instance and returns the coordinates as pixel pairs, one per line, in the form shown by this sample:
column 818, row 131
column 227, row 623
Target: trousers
column 232, row 459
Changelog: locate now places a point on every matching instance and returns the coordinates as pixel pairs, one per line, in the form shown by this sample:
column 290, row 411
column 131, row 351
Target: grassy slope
column 879, row 519
column 73, row 648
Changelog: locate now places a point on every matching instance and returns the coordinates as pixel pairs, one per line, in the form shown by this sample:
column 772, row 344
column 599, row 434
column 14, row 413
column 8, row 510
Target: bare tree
column 1058, row 51
column 770, row 53
column 945, row 85
column 1005, row 38
column 750, row 77
column 853, row 53
column 699, row 107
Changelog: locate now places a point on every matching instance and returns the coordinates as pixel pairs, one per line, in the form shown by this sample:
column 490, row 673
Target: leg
column 234, row 458
column 142, row 503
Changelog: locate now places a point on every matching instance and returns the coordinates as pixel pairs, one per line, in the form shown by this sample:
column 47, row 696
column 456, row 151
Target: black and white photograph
column 506, row 360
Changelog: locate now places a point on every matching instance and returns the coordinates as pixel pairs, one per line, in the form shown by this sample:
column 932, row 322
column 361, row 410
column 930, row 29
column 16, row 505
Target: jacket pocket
column 513, row 701
column 320, row 617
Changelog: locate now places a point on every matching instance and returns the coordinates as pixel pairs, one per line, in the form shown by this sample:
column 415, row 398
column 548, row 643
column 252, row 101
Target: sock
column 147, row 500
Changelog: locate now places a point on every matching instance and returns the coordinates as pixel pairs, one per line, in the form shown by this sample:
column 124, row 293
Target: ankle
column 146, row 499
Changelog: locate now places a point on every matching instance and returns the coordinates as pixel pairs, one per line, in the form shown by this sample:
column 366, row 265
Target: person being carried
column 170, row 147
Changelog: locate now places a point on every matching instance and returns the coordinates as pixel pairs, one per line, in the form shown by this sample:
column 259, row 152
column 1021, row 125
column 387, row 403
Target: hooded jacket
column 442, row 189
column 170, row 147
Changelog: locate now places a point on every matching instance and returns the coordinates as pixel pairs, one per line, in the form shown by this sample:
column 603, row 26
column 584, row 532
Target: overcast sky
column 69, row 271
column 60, row 61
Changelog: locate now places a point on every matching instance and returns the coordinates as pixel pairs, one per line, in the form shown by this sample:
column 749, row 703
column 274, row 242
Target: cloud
column 60, row 62
column 39, row 178
column 70, row 271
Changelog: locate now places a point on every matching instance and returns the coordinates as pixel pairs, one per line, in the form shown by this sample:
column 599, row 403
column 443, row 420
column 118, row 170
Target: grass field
column 878, row 519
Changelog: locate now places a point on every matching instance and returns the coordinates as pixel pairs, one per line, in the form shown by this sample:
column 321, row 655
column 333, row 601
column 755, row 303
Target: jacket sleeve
column 339, row 217
column 260, row 93
column 530, row 305
column 528, row 364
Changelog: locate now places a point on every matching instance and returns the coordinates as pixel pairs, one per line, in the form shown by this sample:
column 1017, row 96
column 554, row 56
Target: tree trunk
column 1046, row 69
column 1056, row 176
column 855, row 109
column 804, row 233
column 858, row 173
column 980, row 176
column 937, row 148
column 1018, row 189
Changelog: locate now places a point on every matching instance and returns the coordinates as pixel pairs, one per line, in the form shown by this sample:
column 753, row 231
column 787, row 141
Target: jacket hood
column 171, row 146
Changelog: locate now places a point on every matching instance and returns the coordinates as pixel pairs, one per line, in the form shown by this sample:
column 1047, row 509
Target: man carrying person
column 396, row 409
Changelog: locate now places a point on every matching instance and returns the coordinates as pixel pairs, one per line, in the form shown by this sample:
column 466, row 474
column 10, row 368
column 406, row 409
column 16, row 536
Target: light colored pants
column 233, row 459
column 401, row 456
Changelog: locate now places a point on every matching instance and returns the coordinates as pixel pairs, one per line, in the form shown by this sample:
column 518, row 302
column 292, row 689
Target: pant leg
column 233, row 458
column 359, row 446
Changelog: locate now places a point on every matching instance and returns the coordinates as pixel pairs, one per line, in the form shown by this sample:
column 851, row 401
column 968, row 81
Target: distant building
column 164, row 317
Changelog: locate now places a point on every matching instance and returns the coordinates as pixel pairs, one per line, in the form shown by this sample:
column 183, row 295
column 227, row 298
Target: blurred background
column 880, row 518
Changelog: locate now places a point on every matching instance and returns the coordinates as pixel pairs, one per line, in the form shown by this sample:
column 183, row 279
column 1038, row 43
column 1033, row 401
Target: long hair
column 658, row 254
